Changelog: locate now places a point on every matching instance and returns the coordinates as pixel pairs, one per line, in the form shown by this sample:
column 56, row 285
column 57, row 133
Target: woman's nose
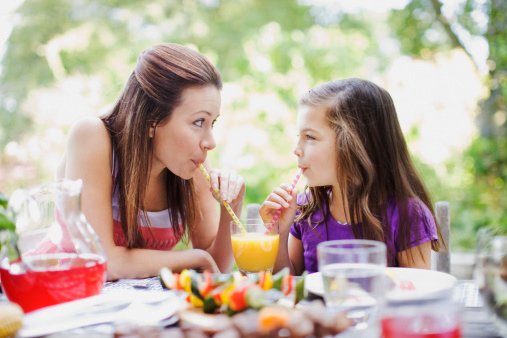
column 208, row 143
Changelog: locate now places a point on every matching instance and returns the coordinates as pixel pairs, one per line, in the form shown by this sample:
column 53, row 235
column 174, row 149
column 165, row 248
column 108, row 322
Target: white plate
column 410, row 285
column 137, row 306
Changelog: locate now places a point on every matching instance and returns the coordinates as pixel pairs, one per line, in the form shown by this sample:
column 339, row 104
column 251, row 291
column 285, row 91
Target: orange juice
column 254, row 251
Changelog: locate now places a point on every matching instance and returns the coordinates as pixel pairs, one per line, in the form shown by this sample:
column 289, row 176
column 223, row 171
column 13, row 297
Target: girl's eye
column 213, row 123
column 309, row 137
column 199, row 123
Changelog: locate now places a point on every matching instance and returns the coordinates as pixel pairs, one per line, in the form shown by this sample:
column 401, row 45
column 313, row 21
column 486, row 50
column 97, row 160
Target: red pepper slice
column 207, row 285
column 238, row 301
column 287, row 284
column 262, row 277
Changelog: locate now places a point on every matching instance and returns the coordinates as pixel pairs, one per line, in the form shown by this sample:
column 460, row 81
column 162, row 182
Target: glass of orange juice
column 254, row 249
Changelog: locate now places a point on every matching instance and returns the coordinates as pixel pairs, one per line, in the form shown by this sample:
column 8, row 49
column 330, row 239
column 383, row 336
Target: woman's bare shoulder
column 88, row 138
column 89, row 129
column 88, row 142
column 89, row 134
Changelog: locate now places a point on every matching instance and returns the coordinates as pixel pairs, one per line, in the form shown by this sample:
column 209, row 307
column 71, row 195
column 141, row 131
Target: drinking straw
column 278, row 212
column 235, row 218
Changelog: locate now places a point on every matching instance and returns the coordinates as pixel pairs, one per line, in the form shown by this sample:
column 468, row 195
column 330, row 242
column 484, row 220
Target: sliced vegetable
column 206, row 285
column 255, row 297
column 210, row 304
column 238, row 300
column 300, row 288
column 287, row 284
column 268, row 281
column 278, row 277
column 195, row 288
column 167, row 279
column 185, row 280
column 195, row 301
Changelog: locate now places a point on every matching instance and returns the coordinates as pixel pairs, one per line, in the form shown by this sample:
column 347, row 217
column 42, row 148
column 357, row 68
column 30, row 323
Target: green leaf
column 4, row 200
column 6, row 223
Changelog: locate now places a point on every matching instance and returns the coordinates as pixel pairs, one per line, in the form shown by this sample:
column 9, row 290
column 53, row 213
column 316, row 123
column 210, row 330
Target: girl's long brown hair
column 152, row 92
column 374, row 165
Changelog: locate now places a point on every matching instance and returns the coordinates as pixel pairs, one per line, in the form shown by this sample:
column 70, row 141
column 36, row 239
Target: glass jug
column 60, row 256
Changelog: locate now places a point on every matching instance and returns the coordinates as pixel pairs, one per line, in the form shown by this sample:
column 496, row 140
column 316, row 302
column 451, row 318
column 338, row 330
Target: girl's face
column 182, row 141
column 316, row 147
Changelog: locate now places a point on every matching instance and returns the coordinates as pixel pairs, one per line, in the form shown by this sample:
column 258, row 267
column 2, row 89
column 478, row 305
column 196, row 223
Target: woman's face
column 182, row 141
column 316, row 147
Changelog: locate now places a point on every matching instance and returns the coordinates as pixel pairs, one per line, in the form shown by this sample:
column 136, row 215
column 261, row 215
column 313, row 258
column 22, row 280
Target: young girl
column 142, row 189
column 362, row 182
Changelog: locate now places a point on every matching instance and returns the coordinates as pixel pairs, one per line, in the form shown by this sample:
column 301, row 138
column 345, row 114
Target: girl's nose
column 297, row 151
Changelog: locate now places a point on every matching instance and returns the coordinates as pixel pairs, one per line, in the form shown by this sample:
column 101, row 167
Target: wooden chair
column 441, row 260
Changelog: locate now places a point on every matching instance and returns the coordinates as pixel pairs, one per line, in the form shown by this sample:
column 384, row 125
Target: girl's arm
column 212, row 232
column 290, row 254
column 290, row 251
column 416, row 257
column 88, row 157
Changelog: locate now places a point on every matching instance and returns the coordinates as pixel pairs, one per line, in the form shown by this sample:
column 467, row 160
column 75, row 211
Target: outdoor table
column 476, row 323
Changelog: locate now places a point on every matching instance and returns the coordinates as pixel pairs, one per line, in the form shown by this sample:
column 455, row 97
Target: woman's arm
column 416, row 257
column 212, row 232
column 88, row 157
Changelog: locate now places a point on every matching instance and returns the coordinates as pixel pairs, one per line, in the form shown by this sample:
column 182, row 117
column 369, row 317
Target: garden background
column 444, row 63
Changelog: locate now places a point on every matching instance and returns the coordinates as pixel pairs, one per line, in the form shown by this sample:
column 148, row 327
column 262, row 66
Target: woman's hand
column 282, row 201
column 229, row 185
column 205, row 261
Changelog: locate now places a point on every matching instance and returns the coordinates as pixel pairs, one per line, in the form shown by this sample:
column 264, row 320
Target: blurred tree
column 428, row 26
column 270, row 50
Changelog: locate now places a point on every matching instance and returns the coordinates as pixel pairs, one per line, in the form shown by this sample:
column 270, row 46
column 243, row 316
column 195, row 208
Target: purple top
column 331, row 229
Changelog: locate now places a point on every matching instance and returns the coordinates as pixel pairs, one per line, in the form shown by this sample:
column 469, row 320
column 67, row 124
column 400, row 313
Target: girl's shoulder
column 416, row 210
column 414, row 205
column 303, row 198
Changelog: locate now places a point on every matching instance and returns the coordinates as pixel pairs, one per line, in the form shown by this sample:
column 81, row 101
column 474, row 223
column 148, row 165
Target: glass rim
column 345, row 246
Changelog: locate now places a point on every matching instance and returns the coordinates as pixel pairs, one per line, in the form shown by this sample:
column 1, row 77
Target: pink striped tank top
column 157, row 235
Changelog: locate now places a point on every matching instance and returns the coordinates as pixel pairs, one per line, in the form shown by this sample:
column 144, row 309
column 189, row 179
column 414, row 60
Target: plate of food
column 403, row 284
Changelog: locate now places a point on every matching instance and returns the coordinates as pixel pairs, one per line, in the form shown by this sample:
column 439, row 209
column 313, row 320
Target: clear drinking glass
column 59, row 255
column 353, row 277
column 256, row 248
column 491, row 275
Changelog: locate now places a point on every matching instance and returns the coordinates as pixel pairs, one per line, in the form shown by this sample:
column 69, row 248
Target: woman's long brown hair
column 374, row 165
column 152, row 92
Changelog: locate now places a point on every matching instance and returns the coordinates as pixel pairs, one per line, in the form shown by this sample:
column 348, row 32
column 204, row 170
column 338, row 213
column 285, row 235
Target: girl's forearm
column 282, row 258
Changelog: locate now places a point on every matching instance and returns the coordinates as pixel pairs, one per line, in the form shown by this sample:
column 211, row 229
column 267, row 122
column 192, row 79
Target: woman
column 142, row 189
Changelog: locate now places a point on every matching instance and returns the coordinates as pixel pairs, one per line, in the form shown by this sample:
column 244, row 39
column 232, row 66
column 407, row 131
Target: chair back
column 252, row 211
column 441, row 260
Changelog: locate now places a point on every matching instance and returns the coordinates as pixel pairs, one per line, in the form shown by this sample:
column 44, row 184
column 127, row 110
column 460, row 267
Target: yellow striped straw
column 226, row 205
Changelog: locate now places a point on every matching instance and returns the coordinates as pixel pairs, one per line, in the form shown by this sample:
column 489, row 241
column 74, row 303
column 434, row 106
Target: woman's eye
column 199, row 122
column 309, row 137
column 213, row 123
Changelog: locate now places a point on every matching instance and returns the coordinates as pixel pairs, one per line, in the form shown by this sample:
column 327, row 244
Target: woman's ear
column 151, row 132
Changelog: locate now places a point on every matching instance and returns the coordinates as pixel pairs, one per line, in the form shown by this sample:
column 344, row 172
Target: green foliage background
column 298, row 43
